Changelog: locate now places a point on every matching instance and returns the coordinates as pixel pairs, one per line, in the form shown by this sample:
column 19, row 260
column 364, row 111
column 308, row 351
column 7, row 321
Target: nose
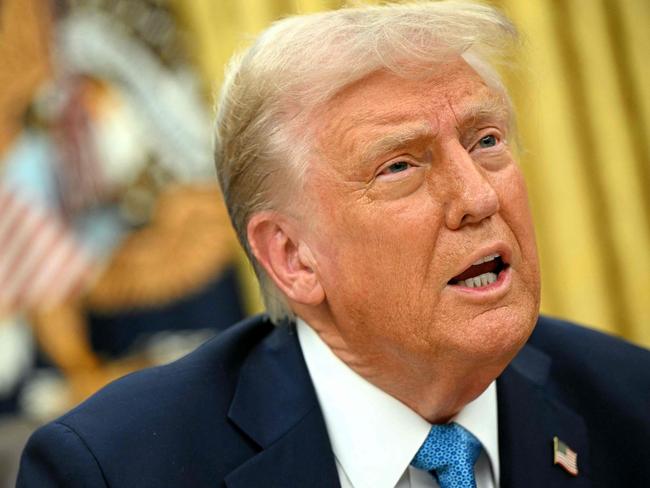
column 471, row 197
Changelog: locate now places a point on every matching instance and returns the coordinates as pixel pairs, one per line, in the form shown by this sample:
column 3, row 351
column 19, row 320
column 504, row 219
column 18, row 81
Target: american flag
column 565, row 456
column 80, row 177
column 41, row 260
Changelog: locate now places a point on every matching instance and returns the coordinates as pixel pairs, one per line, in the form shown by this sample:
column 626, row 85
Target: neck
column 434, row 385
column 436, row 391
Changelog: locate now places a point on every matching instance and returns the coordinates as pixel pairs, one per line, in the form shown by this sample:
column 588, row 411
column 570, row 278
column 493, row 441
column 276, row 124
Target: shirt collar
column 374, row 446
column 480, row 418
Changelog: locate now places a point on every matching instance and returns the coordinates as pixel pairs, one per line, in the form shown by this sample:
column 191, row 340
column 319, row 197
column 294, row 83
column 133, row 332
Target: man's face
column 413, row 182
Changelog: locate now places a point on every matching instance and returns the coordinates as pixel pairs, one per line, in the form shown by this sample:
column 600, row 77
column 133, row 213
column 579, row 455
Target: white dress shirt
column 374, row 436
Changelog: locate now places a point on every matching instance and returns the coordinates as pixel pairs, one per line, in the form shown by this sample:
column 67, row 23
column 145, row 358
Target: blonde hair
column 270, row 90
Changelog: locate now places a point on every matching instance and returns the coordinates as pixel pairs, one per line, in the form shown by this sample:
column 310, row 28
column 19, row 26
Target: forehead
column 379, row 103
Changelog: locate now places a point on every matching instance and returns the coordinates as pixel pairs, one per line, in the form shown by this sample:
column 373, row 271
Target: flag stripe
column 569, row 461
column 53, row 266
column 15, row 241
column 40, row 257
column 26, row 265
column 10, row 210
column 50, row 239
column 71, row 272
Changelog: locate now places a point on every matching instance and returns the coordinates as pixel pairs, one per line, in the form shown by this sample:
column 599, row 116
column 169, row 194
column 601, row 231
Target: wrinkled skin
column 386, row 225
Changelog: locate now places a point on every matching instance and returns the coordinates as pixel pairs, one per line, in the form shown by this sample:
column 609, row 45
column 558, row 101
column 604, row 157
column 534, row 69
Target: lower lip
column 500, row 286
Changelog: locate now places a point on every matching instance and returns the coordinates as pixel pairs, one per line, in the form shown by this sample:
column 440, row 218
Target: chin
column 497, row 335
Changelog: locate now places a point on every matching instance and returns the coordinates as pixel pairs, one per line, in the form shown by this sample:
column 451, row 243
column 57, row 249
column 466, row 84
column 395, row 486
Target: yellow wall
column 584, row 103
column 583, row 98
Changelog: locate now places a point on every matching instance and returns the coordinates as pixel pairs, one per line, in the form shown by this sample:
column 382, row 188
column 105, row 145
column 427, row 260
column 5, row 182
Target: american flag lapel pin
column 565, row 456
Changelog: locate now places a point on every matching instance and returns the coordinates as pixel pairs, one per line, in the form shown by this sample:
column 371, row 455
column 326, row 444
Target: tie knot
column 449, row 452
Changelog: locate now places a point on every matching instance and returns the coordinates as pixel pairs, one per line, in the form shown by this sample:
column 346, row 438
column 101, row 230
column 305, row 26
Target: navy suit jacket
column 241, row 411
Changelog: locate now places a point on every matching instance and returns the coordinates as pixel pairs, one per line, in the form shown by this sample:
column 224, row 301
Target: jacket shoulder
column 155, row 419
column 568, row 342
column 57, row 456
column 588, row 367
column 207, row 373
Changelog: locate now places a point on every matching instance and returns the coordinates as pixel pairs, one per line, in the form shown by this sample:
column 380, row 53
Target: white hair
column 271, row 89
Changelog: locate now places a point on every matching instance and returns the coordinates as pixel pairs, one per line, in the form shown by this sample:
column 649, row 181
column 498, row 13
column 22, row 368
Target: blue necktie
column 449, row 453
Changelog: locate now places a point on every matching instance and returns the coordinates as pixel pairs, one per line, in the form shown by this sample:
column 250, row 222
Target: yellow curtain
column 583, row 98
column 584, row 103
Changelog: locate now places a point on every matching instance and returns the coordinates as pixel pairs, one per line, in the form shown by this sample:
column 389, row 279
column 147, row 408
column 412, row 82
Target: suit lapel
column 529, row 418
column 276, row 407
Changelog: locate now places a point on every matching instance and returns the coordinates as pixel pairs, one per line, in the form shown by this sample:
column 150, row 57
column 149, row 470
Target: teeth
column 486, row 259
column 481, row 280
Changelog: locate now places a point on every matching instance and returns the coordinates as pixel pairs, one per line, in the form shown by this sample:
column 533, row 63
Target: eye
column 396, row 167
column 399, row 177
column 402, row 168
column 487, row 141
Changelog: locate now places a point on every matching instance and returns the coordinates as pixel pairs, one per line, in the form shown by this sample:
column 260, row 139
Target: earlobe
column 286, row 259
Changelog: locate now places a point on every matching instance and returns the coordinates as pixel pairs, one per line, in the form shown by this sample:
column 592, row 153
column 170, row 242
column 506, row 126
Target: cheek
column 395, row 242
column 515, row 211
column 384, row 259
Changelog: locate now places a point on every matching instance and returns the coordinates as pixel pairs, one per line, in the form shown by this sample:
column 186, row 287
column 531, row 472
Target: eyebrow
column 474, row 113
column 491, row 108
column 405, row 136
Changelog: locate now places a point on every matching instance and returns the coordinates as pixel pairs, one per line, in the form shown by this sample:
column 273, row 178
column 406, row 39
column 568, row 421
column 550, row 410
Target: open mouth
column 482, row 273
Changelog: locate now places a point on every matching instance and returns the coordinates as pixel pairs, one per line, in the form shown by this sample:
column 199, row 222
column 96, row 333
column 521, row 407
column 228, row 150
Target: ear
column 275, row 242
